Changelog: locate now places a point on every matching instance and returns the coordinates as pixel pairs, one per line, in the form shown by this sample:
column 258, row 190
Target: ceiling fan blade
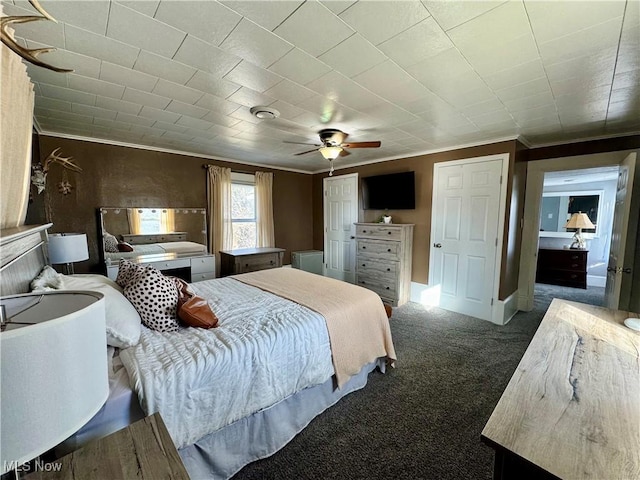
column 361, row 145
column 300, row 143
column 308, row 151
column 344, row 153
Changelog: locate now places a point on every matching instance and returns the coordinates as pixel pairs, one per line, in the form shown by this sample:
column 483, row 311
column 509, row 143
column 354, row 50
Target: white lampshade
column 330, row 153
column 68, row 247
column 54, row 371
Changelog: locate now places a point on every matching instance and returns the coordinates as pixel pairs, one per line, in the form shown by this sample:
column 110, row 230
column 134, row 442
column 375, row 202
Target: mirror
column 557, row 207
column 152, row 231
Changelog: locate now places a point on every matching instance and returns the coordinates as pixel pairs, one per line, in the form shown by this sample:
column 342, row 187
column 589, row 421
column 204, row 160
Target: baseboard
column 596, row 281
column 503, row 310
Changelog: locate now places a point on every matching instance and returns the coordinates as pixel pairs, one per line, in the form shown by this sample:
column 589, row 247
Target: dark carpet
column 421, row 420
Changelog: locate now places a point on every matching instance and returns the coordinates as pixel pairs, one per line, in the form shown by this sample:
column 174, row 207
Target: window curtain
column 219, row 204
column 264, row 209
column 133, row 216
column 167, row 221
column 16, row 104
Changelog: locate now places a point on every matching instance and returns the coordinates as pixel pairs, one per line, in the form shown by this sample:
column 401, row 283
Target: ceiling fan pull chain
column 331, row 169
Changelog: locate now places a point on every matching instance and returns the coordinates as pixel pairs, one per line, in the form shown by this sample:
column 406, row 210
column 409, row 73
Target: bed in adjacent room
column 181, row 248
column 239, row 392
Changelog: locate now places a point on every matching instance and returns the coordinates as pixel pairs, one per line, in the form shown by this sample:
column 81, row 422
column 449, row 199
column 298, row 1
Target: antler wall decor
column 29, row 54
column 39, row 171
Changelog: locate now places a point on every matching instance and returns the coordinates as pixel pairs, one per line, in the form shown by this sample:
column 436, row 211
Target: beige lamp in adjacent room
column 579, row 221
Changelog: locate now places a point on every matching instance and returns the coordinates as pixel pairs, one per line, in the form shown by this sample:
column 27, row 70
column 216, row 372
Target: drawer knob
column 362, row 282
column 388, row 249
column 364, row 248
column 389, row 233
column 364, row 231
column 364, row 265
column 387, row 288
column 271, row 262
column 574, row 265
column 574, row 276
column 574, row 257
column 388, row 269
column 246, row 264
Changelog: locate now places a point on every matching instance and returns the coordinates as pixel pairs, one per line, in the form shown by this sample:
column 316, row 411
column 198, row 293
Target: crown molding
column 584, row 140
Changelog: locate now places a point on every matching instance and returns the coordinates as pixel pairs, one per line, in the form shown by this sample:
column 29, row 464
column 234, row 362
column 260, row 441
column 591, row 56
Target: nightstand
column 143, row 450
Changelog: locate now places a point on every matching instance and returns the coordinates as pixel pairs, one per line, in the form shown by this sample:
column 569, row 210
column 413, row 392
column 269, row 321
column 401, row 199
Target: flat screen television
column 395, row 191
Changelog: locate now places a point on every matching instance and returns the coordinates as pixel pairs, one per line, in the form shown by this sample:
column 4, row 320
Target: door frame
column 532, row 204
column 496, row 312
column 325, row 180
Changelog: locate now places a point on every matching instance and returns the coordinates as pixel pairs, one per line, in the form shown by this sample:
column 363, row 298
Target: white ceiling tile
column 602, row 61
column 92, row 85
column 465, row 98
column 43, row 75
column 67, row 94
column 486, row 106
column 178, row 92
column 134, row 119
column 253, row 77
column 170, row 127
column 220, row 120
column 544, row 111
column 68, row 116
column 186, row 109
column 551, row 20
column 497, row 116
column 209, row 21
column 515, row 75
column 93, row 111
column 159, row 115
column 54, row 104
column 578, row 99
column 300, row 67
column 191, row 122
column 308, row 119
column 145, row 98
column 583, row 42
column 255, row 44
column 290, row 92
column 148, row 7
column 452, row 14
column 117, row 105
column 581, row 84
column 100, row 47
column 267, row 14
column 208, row 83
column 381, row 20
column 47, row 32
column 313, row 28
column 524, row 103
column 421, row 41
column 340, row 89
column 206, row 57
column 532, row 87
column 353, row 56
column 216, row 104
column 91, row 16
column 390, row 113
column 441, row 68
column 110, row 72
column 287, row 111
column 539, row 123
column 136, row 29
column 250, row 98
column 338, row 6
column 392, row 83
column 80, row 64
column 158, row 66
column 626, row 79
column 248, row 120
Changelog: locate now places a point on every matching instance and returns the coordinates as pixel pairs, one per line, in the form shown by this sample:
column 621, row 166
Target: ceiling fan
column 333, row 145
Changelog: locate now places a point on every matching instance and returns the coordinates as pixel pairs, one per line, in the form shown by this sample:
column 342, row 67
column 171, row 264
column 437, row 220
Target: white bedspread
column 180, row 248
column 265, row 349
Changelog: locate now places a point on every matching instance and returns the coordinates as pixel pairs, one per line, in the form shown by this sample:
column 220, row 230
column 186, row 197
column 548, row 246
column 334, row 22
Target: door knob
column 352, row 237
column 437, row 245
column 626, row 270
column 611, row 269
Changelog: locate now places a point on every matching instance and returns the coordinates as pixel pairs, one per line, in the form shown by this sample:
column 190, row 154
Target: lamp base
column 68, row 269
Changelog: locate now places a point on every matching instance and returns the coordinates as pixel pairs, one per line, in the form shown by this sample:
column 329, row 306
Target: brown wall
column 115, row 176
column 421, row 216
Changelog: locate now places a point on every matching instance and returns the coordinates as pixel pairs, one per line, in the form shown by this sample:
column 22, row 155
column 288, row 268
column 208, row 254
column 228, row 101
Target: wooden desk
column 244, row 260
column 572, row 408
column 143, row 450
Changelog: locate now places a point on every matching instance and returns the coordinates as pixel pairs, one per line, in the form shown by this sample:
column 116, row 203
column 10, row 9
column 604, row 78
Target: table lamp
column 68, row 248
column 579, row 221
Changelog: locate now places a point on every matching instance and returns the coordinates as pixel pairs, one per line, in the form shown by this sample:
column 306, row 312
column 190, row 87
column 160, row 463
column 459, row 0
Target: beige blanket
column 356, row 320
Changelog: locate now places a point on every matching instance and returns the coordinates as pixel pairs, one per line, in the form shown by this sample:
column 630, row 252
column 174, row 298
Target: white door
column 615, row 269
column 464, row 235
column 340, row 214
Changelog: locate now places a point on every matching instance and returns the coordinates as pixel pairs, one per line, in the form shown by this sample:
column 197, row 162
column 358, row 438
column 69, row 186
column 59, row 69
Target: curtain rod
column 250, row 172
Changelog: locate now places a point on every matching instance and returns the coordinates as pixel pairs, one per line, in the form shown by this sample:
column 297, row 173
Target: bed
column 185, row 248
column 240, row 392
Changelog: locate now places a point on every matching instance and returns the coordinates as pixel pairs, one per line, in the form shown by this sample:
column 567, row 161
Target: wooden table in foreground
column 143, row 450
column 572, row 408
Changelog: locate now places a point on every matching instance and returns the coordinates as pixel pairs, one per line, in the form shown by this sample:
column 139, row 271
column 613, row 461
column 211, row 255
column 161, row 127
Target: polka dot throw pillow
column 128, row 272
column 155, row 297
column 110, row 243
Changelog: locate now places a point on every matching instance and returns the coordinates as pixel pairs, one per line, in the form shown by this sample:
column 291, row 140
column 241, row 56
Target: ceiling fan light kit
column 264, row 113
column 333, row 145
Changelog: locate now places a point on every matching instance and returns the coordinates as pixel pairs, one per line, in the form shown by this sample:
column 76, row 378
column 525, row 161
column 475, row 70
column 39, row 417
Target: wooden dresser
column 383, row 260
column 571, row 408
column 564, row 267
column 245, row 260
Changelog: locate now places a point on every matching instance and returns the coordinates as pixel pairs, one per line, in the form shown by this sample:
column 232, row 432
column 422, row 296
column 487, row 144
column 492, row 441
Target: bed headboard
column 22, row 256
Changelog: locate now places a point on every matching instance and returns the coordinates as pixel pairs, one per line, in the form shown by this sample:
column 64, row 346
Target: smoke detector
column 264, row 113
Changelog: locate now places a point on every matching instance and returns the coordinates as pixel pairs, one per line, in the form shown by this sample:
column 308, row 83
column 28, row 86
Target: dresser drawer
column 253, row 263
column 199, row 277
column 383, row 287
column 375, row 267
column 171, row 264
column 378, row 249
column 575, row 260
column 154, row 238
column 388, row 232
column 203, row 264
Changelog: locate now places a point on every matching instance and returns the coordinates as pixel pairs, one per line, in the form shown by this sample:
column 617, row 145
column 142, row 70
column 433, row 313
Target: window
column 151, row 220
column 243, row 210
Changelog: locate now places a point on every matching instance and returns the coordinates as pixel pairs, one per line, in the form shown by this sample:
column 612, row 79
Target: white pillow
column 123, row 321
column 47, row 279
